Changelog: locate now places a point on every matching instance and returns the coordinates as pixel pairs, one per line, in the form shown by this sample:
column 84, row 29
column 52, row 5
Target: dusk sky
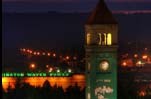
column 19, row 30
column 71, row 5
column 80, row 0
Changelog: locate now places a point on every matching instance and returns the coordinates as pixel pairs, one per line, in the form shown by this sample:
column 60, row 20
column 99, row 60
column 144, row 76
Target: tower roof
column 101, row 15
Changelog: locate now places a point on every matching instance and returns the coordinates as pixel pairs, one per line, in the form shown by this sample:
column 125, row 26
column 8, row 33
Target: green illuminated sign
column 54, row 74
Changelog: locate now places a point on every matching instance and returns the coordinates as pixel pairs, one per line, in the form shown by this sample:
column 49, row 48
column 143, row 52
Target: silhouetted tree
column 46, row 90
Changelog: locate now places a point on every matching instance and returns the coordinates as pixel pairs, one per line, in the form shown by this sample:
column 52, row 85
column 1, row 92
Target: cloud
column 129, row 0
column 42, row 1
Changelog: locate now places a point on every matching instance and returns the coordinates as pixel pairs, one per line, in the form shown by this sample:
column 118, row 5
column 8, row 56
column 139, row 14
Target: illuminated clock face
column 104, row 66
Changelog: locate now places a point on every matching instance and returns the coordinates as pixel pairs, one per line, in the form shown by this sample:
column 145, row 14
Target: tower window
column 105, row 39
column 109, row 39
column 88, row 38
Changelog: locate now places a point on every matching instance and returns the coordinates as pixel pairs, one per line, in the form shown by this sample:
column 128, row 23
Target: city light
column 58, row 70
column 27, row 51
column 48, row 54
column 32, row 65
column 38, row 53
column 24, row 49
column 67, row 57
column 142, row 93
column 47, row 66
column 30, row 52
column 145, row 49
column 50, row 69
column 54, row 55
column 69, row 70
column 135, row 55
column 74, row 58
column 43, row 53
column 144, row 57
column 124, row 64
column 139, row 63
column 35, row 53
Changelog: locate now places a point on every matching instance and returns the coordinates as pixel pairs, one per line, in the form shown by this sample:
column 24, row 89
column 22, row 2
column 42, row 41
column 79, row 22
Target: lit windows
column 88, row 38
column 109, row 39
column 100, row 38
column 105, row 39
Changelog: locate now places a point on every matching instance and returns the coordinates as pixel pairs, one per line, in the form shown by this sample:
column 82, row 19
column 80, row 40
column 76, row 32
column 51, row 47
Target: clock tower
column 101, row 54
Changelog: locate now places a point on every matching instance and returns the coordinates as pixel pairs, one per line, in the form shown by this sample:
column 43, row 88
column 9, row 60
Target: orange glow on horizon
column 8, row 81
column 38, row 81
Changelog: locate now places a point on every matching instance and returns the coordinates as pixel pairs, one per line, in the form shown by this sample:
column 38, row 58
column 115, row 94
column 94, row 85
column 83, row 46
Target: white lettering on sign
column 101, row 91
column 105, row 80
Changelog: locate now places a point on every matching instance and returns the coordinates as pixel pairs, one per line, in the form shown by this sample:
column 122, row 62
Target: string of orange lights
column 45, row 53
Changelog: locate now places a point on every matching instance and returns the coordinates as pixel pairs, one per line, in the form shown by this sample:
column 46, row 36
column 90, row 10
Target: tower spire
column 101, row 15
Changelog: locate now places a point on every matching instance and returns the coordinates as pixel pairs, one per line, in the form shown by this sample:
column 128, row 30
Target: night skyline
column 40, row 31
column 70, row 49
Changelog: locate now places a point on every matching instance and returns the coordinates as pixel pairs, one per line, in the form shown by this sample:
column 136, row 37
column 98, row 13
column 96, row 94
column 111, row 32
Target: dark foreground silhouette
column 24, row 90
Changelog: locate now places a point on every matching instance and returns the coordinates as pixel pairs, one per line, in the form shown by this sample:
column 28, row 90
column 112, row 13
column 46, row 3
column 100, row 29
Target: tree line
column 24, row 90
